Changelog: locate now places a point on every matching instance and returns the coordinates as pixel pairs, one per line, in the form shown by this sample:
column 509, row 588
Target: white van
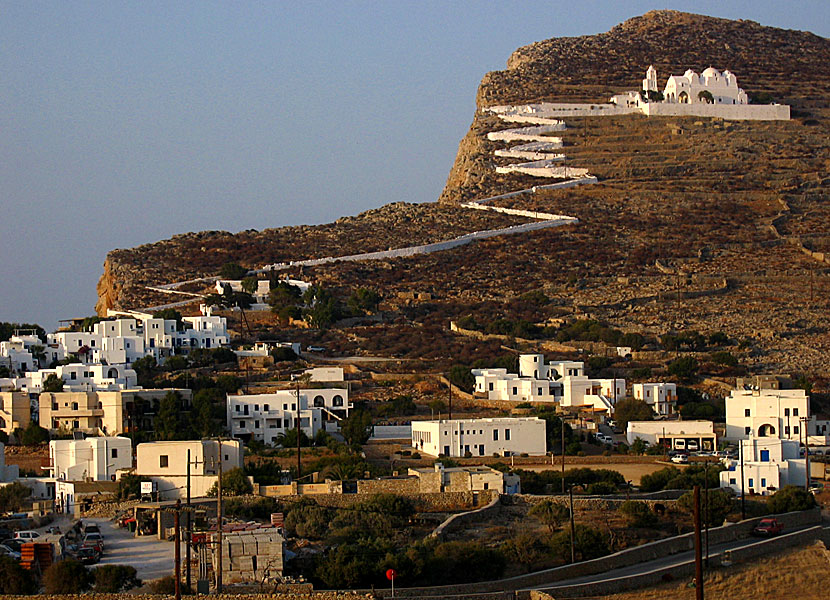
column 26, row 536
column 679, row 444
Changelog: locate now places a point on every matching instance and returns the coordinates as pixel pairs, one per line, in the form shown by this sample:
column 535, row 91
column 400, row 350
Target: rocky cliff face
column 789, row 65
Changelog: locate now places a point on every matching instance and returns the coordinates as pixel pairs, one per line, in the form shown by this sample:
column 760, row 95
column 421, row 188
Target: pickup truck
column 768, row 528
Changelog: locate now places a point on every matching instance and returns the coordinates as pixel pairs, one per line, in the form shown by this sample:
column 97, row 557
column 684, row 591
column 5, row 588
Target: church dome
column 711, row 72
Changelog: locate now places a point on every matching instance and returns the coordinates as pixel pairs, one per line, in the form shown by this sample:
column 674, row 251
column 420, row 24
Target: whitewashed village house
column 480, row 437
column 662, row 397
column 768, row 465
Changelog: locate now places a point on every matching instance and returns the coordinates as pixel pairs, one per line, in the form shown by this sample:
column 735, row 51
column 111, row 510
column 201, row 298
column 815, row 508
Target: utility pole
column 804, row 422
column 573, row 528
column 743, row 502
column 189, row 534
column 219, row 521
column 706, row 508
column 299, row 461
column 178, row 549
column 698, row 559
column 562, row 429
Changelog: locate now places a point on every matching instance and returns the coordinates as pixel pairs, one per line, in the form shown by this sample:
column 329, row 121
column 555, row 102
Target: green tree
column 111, row 579
column 706, row 96
column 283, row 295
column 232, row 271
column 524, row 549
column 684, row 368
column 438, row 406
column 631, row 409
column 357, row 427
column 67, row 577
column 790, row 498
column 307, row 519
column 363, row 299
column 288, row 439
column 129, row 487
column 250, row 284
column 12, row 496
column 33, row 435
column 720, row 505
column 169, row 424
column 462, row 377
column 207, row 416
column 14, row 579
column 234, row 483
column 588, row 543
column 7, row 330
column 323, row 309
column 53, row 383
column 551, row 514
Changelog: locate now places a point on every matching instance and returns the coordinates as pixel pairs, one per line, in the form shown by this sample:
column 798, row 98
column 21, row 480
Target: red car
column 768, row 527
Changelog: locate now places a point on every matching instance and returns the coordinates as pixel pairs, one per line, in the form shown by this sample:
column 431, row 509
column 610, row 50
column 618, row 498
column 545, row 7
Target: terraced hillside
column 694, row 224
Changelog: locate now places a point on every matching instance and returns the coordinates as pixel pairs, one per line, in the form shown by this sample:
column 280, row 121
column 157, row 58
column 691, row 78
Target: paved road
column 672, row 560
column 150, row 557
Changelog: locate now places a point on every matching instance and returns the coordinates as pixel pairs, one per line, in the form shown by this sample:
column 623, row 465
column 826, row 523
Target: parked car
column 26, row 535
column 13, row 544
column 768, row 527
column 692, row 446
column 315, row 349
column 6, row 551
column 817, row 486
column 91, row 528
column 603, row 438
column 93, row 540
column 680, row 459
column 87, row 555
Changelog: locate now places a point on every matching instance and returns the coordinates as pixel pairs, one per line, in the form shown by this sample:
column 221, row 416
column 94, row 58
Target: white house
column 691, row 88
column 264, row 417
column 166, row 464
column 674, row 435
column 78, row 377
column 533, row 365
column 768, row 465
column 16, row 353
column 96, row 458
column 8, row 473
column 325, row 374
column 662, row 397
column 480, row 437
column 766, row 413
column 599, row 394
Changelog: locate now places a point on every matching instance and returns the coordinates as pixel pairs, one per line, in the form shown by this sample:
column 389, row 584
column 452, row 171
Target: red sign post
column 390, row 575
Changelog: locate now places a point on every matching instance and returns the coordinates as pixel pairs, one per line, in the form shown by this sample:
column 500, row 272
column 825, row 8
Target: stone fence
column 456, row 522
column 623, row 558
column 424, row 502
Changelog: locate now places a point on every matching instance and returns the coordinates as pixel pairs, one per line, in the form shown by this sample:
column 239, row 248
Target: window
column 337, row 400
column 786, row 412
column 732, row 481
column 486, row 486
column 265, row 407
column 164, row 461
column 763, row 483
column 751, row 482
column 245, row 409
column 446, row 450
column 73, row 375
column 242, row 424
column 515, row 390
column 293, row 406
column 74, row 404
column 795, row 412
column 238, row 408
column 76, row 424
column 256, row 424
column 506, row 435
column 318, row 401
column 747, row 430
column 746, row 412
column 491, row 386
column 115, row 453
column 764, row 456
column 786, row 429
column 256, row 407
column 495, row 435
column 795, row 430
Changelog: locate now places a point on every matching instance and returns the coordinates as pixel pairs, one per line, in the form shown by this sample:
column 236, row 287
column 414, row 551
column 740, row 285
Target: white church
column 712, row 93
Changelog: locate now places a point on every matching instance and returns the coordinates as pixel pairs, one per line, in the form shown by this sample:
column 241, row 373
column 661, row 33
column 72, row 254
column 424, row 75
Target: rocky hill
column 694, row 223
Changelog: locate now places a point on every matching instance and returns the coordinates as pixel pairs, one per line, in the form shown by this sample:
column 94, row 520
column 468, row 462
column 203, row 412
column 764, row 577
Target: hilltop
column 694, row 224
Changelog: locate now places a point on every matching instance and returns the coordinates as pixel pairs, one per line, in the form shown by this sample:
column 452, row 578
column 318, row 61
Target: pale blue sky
column 125, row 123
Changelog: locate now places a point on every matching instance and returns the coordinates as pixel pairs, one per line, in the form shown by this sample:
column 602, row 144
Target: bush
column 601, row 488
column 672, row 478
column 14, row 579
column 67, row 577
column 234, row 483
column 166, row 586
column 33, row 435
column 115, row 578
column 790, row 498
column 720, row 505
column 551, row 514
column 307, row 519
column 12, row 496
column 684, row 368
column 638, row 514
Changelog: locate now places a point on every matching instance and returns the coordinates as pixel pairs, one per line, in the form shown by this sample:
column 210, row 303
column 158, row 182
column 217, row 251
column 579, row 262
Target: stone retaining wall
column 456, row 522
column 443, row 502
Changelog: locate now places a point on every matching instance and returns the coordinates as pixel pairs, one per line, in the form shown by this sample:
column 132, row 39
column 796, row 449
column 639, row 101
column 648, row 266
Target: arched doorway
column 766, row 430
column 683, row 98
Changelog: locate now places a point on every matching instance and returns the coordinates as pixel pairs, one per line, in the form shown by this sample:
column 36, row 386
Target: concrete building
column 105, row 413
column 769, row 464
column 78, row 377
column 766, row 413
column 325, row 374
column 264, row 417
column 480, row 437
column 94, row 458
column 439, row 479
column 15, row 411
column 674, row 435
column 662, row 397
column 166, row 464
column 8, row 473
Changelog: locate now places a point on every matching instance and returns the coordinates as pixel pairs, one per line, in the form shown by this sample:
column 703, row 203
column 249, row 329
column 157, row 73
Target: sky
column 124, row 123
